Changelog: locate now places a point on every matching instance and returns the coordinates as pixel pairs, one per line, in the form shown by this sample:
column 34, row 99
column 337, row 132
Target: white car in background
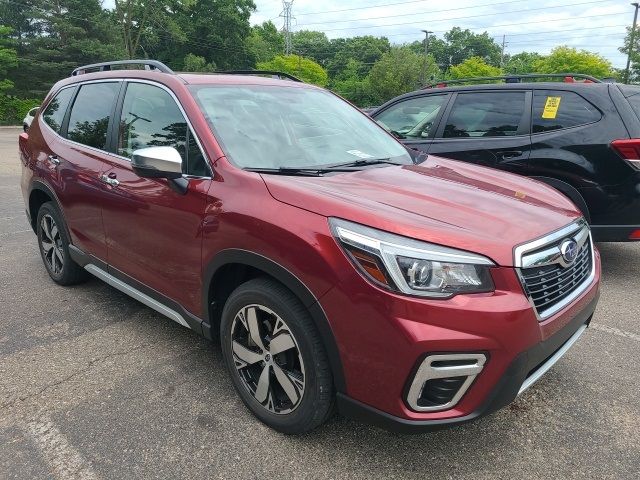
column 26, row 123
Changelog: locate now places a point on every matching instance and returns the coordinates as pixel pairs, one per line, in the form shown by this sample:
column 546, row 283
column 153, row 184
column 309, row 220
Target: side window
column 90, row 114
column 54, row 114
column 556, row 109
column 412, row 118
column 485, row 114
column 151, row 118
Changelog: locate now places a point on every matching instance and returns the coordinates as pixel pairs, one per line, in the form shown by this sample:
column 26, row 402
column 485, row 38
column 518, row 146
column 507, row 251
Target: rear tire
column 53, row 243
column 275, row 357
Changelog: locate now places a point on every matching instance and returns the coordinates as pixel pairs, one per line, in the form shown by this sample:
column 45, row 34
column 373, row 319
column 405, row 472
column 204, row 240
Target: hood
column 442, row 201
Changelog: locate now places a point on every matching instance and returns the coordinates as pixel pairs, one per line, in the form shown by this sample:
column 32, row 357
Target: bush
column 13, row 109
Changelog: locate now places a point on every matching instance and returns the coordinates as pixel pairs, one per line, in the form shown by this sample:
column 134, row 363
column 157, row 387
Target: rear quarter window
column 558, row 109
column 54, row 113
column 90, row 114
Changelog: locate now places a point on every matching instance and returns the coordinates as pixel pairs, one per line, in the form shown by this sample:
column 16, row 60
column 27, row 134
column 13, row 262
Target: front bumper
column 526, row 368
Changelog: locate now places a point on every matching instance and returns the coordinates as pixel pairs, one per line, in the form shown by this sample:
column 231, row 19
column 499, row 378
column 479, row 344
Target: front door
column 154, row 233
column 489, row 128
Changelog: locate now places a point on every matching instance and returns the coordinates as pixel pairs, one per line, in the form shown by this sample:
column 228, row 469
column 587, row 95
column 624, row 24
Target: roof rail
column 105, row 66
column 567, row 77
column 273, row 73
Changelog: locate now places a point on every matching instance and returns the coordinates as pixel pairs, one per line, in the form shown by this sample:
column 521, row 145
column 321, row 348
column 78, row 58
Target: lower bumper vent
column 442, row 380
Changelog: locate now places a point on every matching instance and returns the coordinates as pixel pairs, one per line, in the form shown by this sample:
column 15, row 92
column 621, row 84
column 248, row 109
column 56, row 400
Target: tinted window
column 485, row 114
column 412, row 118
column 555, row 109
column 54, row 114
column 151, row 118
column 90, row 114
column 634, row 101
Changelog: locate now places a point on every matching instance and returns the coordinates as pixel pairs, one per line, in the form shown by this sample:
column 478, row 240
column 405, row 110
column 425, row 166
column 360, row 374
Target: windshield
column 274, row 127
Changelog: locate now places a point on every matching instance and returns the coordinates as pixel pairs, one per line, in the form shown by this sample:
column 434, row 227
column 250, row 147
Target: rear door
column 154, row 232
column 488, row 127
column 78, row 160
column 414, row 120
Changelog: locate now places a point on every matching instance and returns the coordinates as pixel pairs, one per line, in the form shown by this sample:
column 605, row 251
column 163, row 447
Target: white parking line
column 615, row 331
column 65, row 462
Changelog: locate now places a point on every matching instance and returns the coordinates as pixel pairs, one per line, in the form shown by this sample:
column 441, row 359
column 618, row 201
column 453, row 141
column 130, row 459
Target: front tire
column 275, row 357
column 53, row 243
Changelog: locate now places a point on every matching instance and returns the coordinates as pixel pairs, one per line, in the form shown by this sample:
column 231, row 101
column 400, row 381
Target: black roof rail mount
column 273, row 73
column 514, row 78
column 106, row 66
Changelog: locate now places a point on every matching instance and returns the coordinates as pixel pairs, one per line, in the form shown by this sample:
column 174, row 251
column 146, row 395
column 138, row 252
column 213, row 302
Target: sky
column 539, row 26
column 595, row 25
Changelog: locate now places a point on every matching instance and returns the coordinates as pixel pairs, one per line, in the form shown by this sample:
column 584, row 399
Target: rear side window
column 556, row 109
column 90, row 114
column 151, row 118
column 413, row 118
column 485, row 114
column 54, row 114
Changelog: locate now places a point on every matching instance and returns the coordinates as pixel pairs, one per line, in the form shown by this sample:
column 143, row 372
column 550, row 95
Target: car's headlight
column 412, row 266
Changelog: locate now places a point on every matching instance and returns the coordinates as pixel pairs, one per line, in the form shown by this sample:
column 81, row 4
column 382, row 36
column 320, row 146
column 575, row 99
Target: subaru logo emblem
column 569, row 250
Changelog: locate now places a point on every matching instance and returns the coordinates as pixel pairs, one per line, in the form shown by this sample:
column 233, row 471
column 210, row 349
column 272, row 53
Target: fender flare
column 568, row 191
column 293, row 283
column 43, row 187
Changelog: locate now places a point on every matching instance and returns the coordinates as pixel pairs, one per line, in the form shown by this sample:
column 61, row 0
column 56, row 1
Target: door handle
column 54, row 159
column 109, row 180
column 510, row 154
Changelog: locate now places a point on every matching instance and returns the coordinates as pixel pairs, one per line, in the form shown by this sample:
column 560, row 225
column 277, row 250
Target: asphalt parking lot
column 95, row 385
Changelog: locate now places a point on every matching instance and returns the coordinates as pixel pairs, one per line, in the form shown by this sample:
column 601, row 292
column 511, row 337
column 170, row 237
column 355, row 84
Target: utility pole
column 504, row 37
column 426, row 55
column 631, row 40
column 286, row 28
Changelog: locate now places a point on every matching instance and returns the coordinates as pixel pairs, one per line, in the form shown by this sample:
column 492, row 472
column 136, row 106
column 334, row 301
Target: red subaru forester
column 337, row 268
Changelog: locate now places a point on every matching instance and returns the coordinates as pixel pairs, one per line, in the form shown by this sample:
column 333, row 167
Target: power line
column 474, row 16
column 365, row 8
column 452, row 9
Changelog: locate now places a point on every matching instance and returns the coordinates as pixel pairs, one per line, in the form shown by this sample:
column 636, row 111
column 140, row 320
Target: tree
column 400, row 70
column 474, row 67
column 634, row 68
column 314, row 45
column 194, row 63
column 521, row 63
column 303, row 68
column 8, row 58
column 365, row 50
column 569, row 60
column 464, row 44
column 265, row 42
column 352, row 86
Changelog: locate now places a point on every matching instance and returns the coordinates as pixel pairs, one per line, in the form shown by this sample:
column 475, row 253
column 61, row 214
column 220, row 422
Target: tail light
column 629, row 149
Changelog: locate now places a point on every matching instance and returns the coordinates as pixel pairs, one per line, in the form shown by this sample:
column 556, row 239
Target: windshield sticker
column 551, row 107
column 359, row 154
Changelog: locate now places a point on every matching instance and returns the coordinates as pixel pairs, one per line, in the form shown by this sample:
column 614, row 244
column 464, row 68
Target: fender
column 289, row 280
column 568, row 191
column 43, row 187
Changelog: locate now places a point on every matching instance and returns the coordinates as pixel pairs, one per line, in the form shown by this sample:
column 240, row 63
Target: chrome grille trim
column 545, row 252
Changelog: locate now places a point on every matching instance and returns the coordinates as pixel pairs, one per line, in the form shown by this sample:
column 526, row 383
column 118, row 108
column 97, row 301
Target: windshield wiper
column 362, row 162
column 306, row 171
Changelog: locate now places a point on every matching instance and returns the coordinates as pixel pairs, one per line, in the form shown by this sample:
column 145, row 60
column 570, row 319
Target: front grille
column 552, row 284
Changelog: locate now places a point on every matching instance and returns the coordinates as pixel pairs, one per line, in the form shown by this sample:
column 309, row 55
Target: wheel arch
column 568, row 191
column 229, row 264
column 39, row 194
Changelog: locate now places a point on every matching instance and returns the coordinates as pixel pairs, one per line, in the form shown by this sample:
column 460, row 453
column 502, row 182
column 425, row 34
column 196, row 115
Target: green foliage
column 365, row 51
column 399, row 71
column 314, row 45
column 522, row 63
column 303, row 68
column 352, row 86
column 13, row 110
column 194, row 63
column 570, row 60
column 265, row 42
column 474, row 67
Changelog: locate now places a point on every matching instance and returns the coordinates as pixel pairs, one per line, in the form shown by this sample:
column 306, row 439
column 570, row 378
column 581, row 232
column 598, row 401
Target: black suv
column 581, row 136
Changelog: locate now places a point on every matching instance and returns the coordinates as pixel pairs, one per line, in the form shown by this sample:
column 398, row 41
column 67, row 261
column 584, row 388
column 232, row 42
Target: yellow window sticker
column 551, row 107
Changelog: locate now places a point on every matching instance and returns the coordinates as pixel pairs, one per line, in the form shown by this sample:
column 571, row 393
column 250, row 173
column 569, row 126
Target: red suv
column 337, row 268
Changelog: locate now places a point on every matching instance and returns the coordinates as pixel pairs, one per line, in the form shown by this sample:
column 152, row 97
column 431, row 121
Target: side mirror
column 157, row 162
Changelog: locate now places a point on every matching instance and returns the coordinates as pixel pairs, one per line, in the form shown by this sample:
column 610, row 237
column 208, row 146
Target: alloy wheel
column 267, row 358
column 51, row 244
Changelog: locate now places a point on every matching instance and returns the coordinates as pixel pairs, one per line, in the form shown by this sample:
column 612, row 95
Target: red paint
column 166, row 240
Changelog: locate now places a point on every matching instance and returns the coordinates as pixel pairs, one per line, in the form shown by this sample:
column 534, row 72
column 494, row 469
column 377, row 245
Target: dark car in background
column 580, row 136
